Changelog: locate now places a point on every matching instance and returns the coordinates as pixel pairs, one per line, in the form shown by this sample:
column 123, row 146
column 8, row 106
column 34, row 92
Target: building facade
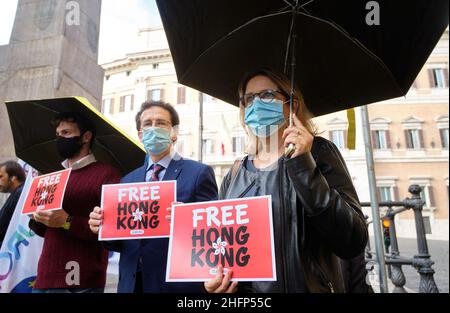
column 410, row 135
column 410, row 142
column 150, row 74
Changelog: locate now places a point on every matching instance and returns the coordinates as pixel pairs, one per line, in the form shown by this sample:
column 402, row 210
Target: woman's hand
column 299, row 136
column 221, row 283
column 95, row 219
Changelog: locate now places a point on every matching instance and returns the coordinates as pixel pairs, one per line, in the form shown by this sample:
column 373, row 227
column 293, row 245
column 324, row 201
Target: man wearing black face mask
column 72, row 259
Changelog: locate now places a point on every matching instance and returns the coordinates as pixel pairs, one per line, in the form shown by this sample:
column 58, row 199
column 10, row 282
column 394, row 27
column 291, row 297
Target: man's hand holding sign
column 54, row 219
column 131, row 211
column 44, row 199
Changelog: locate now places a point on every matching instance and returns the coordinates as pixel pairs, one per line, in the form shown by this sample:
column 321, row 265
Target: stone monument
column 52, row 53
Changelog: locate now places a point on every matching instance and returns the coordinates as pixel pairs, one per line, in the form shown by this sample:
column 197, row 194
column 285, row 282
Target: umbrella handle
column 289, row 150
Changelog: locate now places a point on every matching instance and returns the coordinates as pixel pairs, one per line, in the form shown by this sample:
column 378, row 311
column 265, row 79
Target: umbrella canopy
column 341, row 60
column 34, row 135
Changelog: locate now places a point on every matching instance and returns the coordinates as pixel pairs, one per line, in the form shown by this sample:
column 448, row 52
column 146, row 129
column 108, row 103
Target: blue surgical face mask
column 156, row 140
column 264, row 119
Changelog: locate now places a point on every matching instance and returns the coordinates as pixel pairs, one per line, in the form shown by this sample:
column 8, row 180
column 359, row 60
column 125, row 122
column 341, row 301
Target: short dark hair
column 12, row 168
column 84, row 124
column 174, row 118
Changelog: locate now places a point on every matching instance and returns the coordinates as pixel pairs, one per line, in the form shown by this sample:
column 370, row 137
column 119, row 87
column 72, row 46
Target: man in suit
column 142, row 265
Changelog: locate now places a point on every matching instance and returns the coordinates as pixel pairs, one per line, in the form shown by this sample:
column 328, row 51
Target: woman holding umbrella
column 316, row 212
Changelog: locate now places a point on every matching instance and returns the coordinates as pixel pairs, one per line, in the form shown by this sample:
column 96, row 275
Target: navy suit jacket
column 195, row 183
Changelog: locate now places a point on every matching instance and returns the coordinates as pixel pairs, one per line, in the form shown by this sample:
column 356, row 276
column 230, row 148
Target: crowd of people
column 319, row 229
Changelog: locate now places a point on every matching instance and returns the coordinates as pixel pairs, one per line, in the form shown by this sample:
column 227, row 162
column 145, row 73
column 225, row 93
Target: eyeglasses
column 266, row 96
column 156, row 123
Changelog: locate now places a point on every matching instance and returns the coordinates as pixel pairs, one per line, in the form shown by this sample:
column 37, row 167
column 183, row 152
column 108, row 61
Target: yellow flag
column 351, row 132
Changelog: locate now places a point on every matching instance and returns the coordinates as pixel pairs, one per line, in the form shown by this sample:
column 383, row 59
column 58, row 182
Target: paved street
column 408, row 247
column 439, row 254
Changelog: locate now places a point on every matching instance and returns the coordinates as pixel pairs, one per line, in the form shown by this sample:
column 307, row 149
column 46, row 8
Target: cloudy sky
column 120, row 21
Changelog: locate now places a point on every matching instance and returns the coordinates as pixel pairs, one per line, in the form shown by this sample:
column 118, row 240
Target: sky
column 119, row 23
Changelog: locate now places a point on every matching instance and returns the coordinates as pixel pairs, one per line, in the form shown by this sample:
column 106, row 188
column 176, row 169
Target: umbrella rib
column 43, row 107
column 288, row 45
column 36, row 145
column 289, row 4
column 305, row 4
column 343, row 31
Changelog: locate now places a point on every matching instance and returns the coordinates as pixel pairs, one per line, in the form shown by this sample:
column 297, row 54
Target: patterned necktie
column 156, row 170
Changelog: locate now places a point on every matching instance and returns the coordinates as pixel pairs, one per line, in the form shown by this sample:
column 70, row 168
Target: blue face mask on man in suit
column 264, row 119
column 156, row 140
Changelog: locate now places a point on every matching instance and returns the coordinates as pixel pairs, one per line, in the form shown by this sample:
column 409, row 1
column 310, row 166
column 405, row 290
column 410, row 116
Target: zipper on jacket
column 330, row 285
column 325, row 279
column 246, row 189
column 283, row 209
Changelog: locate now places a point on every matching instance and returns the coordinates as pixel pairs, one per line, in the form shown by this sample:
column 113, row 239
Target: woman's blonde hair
column 284, row 84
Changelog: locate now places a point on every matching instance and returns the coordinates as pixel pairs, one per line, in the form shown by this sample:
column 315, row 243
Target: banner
column 47, row 192
column 21, row 249
column 238, row 234
column 136, row 210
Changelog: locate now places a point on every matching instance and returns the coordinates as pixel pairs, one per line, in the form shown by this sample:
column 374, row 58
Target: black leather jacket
column 316, row 214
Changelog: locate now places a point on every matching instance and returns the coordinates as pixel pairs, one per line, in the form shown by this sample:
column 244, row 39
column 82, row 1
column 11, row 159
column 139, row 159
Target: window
column 337, row 128
column 385, row 194
column 122, row 105
column 380, row 133
column 155, row 66
column 387, row 188
column 208, row 148
column 444, row 137
column 238, row 144
column 337, row 137
column 128, row 73
column 181, row 95
column 207, row 98
column 438, row 77
column 380, row 139
column 427, row 195
column 442, row 125
column 111, row 107
column 412, row 127
column 108, row 106
column 155, row 94
column 414, row 138
column 126, row 103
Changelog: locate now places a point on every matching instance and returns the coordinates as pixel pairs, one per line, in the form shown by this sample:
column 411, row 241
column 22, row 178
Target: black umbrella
column 34, row 136
column 341, row 60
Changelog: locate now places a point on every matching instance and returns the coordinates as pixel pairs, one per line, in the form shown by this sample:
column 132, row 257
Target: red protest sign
column 136, row 210
column 46, row 192
column 236, row 233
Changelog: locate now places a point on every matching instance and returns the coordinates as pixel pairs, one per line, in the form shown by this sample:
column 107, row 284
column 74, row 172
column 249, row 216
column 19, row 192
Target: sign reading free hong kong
column 136, row 210
column 238, row 234
column 46, row 192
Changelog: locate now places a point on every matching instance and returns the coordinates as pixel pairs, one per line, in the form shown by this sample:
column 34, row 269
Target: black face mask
column 68, row 147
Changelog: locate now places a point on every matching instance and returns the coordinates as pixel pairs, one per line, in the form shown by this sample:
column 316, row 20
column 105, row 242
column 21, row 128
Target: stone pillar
column 52, row 53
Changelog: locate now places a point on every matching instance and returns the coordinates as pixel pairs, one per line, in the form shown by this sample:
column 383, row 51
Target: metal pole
column 374, row 201
column 396, row 275
column 291, row 50
column 200, row 127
